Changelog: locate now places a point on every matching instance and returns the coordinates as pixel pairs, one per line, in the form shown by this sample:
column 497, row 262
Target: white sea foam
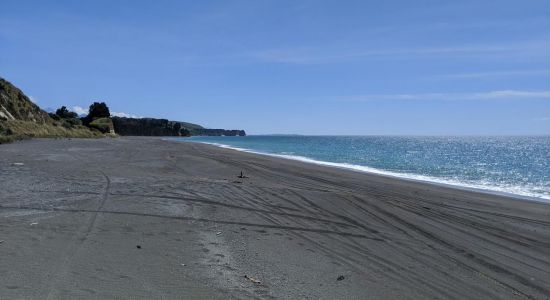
column 484, row 186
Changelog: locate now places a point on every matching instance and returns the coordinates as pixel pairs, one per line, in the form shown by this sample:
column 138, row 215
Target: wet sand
column 152, row 219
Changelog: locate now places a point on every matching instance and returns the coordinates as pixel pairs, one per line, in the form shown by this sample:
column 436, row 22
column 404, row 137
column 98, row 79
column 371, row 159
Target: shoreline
column 389, row 174
column 142, row 217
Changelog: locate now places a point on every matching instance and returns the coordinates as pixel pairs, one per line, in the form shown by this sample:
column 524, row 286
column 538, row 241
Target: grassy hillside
column 20, row 118
column 190, row 125
column 16, row 130
column 104, row 125
column 15, row 105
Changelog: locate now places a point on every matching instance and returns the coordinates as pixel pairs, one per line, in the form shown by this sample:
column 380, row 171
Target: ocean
column 517, row 165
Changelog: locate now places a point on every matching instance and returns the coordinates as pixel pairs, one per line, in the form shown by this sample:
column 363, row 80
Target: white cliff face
column 5, row 114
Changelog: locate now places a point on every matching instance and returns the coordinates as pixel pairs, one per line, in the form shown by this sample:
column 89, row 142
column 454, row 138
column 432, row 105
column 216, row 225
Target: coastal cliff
column 148, row 127
column 164, row 127
column 218, row 132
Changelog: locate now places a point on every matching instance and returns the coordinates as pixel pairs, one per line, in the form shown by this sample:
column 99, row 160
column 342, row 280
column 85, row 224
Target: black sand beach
column 152, row 219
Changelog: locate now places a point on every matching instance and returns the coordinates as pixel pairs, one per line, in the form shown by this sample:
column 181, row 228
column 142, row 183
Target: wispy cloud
column 80, row 110
column 125, row 115
column 542, row 119
column 319, row 55
column 505, row 73
column 491, row 95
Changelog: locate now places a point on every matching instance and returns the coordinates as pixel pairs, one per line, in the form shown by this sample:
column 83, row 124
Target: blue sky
column 306, row 67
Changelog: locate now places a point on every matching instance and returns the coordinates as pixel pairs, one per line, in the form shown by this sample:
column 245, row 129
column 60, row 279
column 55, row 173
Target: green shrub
column 54, row 116
column 105, row 125
column 74, row 121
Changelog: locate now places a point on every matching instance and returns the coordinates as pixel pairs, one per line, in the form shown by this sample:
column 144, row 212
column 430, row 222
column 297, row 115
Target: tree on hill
column 64, row 113
column 98, row 110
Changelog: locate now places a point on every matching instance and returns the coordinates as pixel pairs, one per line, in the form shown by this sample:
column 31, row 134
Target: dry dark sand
column 74, row 211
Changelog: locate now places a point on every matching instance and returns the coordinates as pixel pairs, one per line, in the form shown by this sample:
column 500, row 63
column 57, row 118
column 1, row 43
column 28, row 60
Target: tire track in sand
column 63, row 268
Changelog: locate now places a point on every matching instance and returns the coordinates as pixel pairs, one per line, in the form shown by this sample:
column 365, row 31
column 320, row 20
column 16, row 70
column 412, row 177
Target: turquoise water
column 517, row 165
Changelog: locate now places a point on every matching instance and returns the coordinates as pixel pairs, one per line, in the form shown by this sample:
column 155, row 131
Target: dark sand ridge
column 72, row 213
